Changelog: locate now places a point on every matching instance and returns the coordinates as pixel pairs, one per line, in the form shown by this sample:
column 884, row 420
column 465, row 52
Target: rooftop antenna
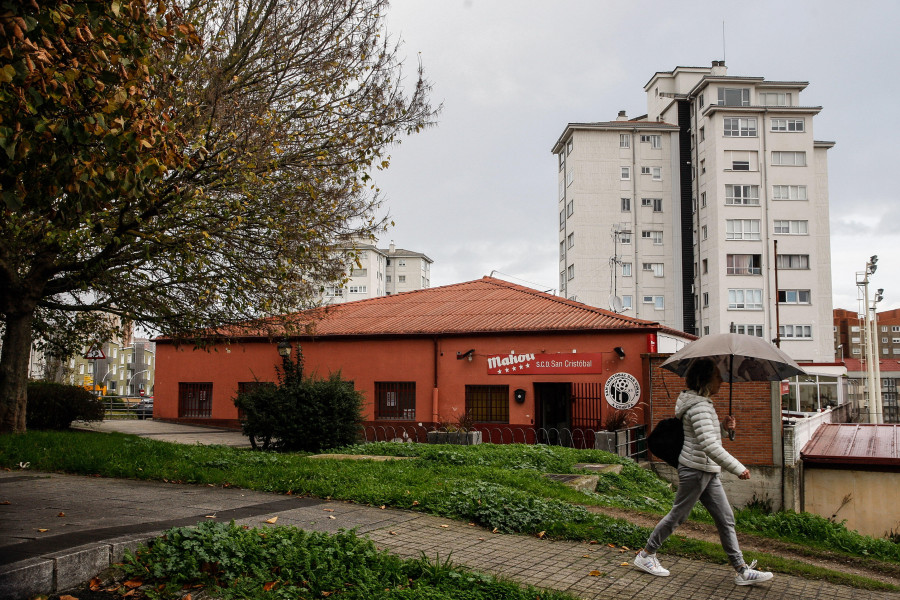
column 723, row 40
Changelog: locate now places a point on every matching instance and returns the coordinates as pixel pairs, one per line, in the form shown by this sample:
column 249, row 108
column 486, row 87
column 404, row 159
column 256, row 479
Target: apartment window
column 655, row 268
column 854, row 340
column 740, row 127
column 562, row 161
column 195, row 399
column 734, row 96
column 746, row 299
column 395, row 400
column 570, row 241
column 570, row 272
column 742, row 160
column 625, row 173
column 562, row 250
column 359, row 272
column 855, row 328
column 702, row 134
column 703, row 166
column 656, row 236
column 789, row 159
column 894, row 329
column 801, row 332
column 655, row 203
column 570, row 208
column 488, row 403
column 792, row 261
column 788, row 192
column 570, row 146
column 362, row 289
column 625, row 237
column 331, row 291
column 705, row 299
column 645, row 170
column 626, row 269
column 742, row 229
column 626, row 204
column 388, row 278
column 401, row 262
column 562, row 219
column 746, row 195
column 775, row 98
column 797, row 125
column 702, row 199
column 792, row 227
column 857, row 351
column 740, row 165
column 704, row 232
column 657, row 173
column 624, row 140
column 894, row 340
column 658, row 302
column 794, row 297
column 744, row 264
column 705, row 264
column 627, row 302
column 562, row 189
column 700, row 101
column 755, row 330
column 654, row 140
column 570, row 177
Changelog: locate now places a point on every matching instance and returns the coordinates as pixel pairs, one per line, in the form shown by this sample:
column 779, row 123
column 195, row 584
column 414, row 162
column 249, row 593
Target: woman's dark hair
column 699, row 375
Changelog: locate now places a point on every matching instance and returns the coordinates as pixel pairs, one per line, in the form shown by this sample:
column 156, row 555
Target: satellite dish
column 615, row 304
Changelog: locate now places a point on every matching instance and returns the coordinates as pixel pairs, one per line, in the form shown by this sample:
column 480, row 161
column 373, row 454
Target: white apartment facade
column 749, row 245
column 380, row 272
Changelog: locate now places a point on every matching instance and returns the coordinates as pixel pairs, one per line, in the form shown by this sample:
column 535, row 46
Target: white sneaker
column 650, row 564
column 750, row 576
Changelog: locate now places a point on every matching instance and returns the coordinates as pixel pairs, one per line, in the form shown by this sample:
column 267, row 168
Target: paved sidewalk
column 169, row 432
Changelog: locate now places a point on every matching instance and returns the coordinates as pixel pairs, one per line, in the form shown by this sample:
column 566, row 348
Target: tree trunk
column 14, row 371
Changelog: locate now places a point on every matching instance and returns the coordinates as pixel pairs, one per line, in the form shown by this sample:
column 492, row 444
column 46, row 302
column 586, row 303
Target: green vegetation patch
column 231, row 561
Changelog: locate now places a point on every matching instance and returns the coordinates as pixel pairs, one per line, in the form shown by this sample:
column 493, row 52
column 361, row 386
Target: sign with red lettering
column 544, row 364
column 785, row 387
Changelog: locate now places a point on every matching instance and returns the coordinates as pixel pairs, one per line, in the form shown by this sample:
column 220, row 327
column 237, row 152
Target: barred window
column 488, row 403
column 395, row 400
column 195, row 399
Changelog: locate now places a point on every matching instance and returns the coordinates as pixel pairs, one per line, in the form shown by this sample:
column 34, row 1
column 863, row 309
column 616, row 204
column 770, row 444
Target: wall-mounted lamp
column 284, row 349
column 468, row 354
column 620, row 352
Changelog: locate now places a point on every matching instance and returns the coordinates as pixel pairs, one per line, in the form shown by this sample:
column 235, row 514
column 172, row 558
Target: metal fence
column 630, row 442
column 121, row 408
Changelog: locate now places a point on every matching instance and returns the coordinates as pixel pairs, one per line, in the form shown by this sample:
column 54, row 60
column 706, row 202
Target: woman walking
column 702, row 458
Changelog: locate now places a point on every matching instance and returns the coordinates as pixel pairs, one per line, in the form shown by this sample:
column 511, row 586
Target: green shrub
column 55, row 405
column 301, row 414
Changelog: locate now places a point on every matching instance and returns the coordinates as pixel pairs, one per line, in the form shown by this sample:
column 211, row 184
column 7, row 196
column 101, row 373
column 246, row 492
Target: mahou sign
column 544, row 364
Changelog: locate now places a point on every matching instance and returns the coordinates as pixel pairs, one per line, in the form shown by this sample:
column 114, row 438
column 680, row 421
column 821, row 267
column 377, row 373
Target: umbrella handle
column 731, row 434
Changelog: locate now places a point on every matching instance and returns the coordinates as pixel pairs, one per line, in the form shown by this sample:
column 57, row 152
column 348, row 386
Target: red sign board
column 785, row 387
column 651, row 343
column 544, row 364
column 95, row 353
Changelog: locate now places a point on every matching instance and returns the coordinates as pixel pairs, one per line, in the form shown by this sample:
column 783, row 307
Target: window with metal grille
column 395, row 400
column 488, row 403
column 195, row 399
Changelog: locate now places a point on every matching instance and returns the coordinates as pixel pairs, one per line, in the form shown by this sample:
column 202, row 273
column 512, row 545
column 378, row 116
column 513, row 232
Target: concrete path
column 88, row 522
column 170, row 432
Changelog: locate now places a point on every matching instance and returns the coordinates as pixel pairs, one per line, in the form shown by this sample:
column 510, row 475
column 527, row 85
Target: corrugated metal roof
column 481, row 306
column 854, row 444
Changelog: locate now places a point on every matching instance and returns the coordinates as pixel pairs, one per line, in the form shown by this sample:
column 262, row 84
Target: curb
column 60, row 571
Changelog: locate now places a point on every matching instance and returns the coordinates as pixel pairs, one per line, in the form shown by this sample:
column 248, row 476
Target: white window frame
column 791, row 227
column 570, row 272
column 570, row 240
column 792, row 262
column 742, row 229
column 624, row 140
column 626, row 269
column 789, row 125
column 658, row 269
column 361, row 289
column 627, row 301
column 724, row 92
column 795, row 332
column 742, row 195
column 653, row 234
column 732, row 269
column 780, row 99
column 625, row 173
column 739, row 127
column 658, row 302
column 570, row 177
column 655, row 140
column 754, row 330
column 789, row 192
column 626, row 204
column 745, row 299
column 782, row 158
column 794, row 296
column 656, row 173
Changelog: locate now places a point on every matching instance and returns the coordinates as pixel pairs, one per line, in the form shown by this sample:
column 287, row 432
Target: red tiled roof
column 484, row 305
column 855, row 365
column 854, row 444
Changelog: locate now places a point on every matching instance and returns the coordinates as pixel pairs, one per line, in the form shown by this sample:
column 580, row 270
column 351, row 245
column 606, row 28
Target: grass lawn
column 496, row 486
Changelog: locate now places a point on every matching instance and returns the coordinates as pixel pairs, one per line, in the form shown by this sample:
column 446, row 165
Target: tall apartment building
column 707, row 214
column 381, row 272
column 850, row 336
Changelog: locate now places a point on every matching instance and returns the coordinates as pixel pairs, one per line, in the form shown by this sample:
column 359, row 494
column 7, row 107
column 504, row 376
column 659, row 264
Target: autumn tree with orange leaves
column 184, row 166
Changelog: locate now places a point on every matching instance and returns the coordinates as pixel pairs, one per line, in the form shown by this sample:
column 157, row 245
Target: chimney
column 622, row 116
column 718, row 68
column 391, row 249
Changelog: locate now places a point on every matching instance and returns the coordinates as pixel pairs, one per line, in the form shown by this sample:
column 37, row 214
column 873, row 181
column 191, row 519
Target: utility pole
column 873, row 381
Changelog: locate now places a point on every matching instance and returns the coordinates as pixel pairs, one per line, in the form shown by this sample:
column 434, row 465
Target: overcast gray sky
column 477, row 193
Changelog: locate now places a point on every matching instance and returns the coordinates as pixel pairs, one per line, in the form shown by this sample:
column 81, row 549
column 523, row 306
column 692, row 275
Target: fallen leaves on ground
column 67, row 597
column 541, row 534
column 272, row 520
column 43, row 530
column 133, row 583
column 62, row 514
column 95, row 584
column 268, row 586
column 595, row 573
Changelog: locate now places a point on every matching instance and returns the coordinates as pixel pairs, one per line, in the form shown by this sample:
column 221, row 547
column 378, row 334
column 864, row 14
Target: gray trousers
column 696, row 485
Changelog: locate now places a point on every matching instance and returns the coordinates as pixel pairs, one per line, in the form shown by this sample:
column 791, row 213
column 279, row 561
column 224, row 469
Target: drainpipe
column 764, row 191
column 636, row 300
column 777, row 309
column 434, row 391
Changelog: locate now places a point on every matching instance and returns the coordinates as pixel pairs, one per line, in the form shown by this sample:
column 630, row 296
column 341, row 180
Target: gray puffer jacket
column 702, row 448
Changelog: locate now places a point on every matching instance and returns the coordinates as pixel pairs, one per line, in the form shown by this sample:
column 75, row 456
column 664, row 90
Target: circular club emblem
column 622, row 391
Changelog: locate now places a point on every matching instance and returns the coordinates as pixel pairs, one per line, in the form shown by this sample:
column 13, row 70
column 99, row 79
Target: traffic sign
column 95, row 353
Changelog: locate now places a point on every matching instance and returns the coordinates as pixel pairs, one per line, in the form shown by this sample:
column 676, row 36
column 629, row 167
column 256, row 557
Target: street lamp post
column 879, row 409
column 873, row 386
column 133, row 376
